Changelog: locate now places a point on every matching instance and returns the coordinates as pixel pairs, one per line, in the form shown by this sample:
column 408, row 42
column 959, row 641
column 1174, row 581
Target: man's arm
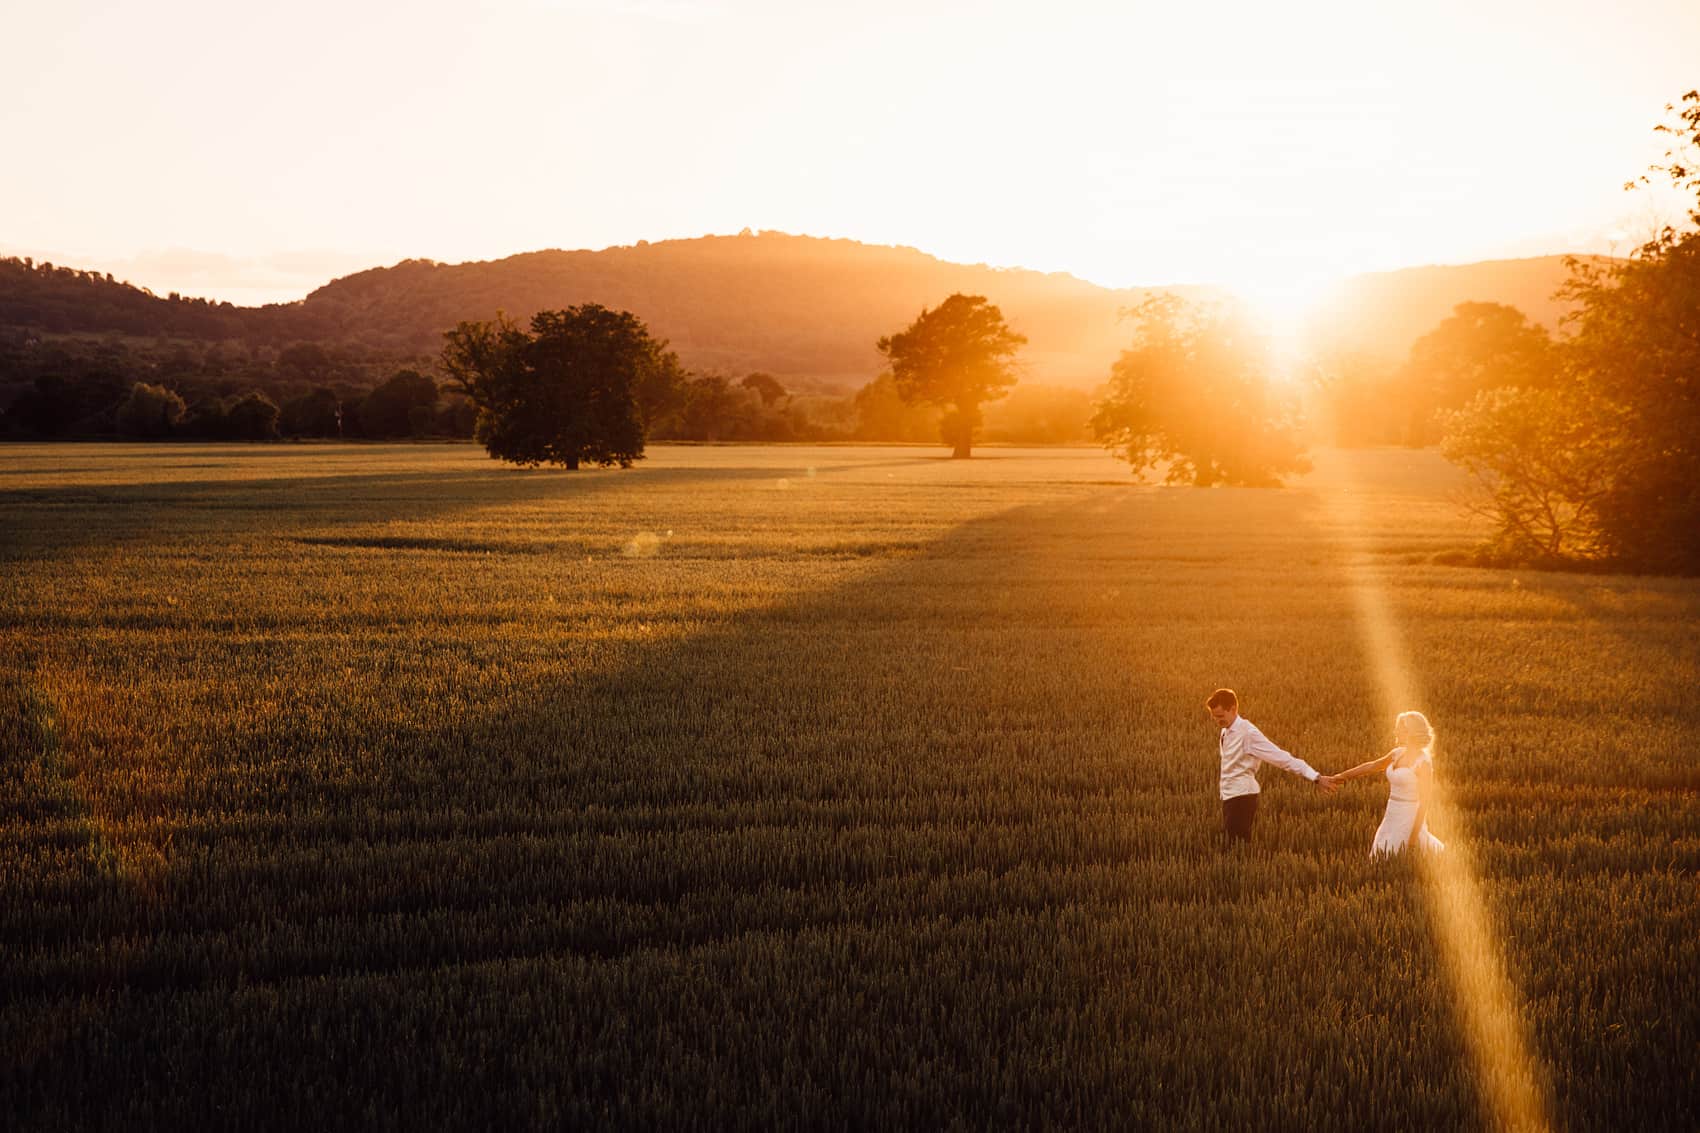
column 1259, row 745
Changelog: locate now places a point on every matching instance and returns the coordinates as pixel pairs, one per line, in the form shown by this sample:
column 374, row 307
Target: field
column 812, row 788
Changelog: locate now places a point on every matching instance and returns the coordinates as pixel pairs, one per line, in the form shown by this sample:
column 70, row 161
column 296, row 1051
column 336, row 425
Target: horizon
column 66, row 262
column 1264, row 152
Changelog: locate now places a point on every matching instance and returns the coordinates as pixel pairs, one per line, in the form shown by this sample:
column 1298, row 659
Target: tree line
column 56, row 387
column 1586, row 447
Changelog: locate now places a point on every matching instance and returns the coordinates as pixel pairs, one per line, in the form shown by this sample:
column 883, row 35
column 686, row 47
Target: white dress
column 1394, row 834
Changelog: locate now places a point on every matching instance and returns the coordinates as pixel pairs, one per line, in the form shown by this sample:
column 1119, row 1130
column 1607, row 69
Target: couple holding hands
column 1409, row 768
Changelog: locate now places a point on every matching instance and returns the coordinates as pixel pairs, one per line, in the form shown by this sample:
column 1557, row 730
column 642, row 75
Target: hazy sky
column 251, row 152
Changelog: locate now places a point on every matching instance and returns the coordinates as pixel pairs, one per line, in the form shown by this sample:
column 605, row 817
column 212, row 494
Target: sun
column 1285, row 305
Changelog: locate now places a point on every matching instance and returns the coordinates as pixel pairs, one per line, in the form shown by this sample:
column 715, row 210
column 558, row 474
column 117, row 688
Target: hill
column 804, row 308
column 1382, row 313
column 795, row 306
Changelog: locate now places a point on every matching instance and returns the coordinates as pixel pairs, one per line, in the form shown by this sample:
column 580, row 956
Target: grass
column 789, row 787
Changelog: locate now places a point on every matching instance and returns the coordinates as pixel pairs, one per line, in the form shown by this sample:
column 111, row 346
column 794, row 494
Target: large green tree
column 317, row 413
column 957, row 355
column 1544, row 460
column 1630, row 380
column 1636, row 347
column 150, row 412
column 565, row 393
column 1480, row 346
column 1197, row 393
column 251, row 417
column 403, row 406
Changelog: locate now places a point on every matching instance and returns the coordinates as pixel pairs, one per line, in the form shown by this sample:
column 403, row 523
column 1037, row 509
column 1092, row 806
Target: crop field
column 387, row 787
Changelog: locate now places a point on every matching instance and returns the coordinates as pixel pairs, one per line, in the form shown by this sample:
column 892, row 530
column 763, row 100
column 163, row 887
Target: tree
column 393, row 408
column 150, row 411
column 314, row 414
column 716, row 410
column 49, row 409
column 306, row 361
column 564, row 393
column 1630, row 385
column 1636, row 347
column 1544, row 459
column 767, row 386
column 1197, row 391
column 207, row 419
column 251, row 417
column 957, row 355
column 457, row 417
column 1480, row 346
column 1036, row 414
column 882, row 415
column 659, row 390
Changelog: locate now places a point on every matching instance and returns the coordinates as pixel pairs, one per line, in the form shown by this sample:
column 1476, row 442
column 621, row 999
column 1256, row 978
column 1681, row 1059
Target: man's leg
column 1237, row 815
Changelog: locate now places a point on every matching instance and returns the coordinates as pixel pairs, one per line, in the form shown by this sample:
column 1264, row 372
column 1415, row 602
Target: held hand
column 1327, row 784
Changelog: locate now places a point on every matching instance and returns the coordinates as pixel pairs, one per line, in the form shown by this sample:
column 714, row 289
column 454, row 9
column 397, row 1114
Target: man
column 1242, row 746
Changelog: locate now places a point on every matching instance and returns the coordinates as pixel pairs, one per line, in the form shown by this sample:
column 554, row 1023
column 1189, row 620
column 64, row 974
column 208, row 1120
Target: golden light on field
column 1484, row 1002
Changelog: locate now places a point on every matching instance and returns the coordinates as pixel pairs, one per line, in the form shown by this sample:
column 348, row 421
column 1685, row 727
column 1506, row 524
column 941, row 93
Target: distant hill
column 57, row 299
column 1382, row 313
column 795, row 306
column 803, row 308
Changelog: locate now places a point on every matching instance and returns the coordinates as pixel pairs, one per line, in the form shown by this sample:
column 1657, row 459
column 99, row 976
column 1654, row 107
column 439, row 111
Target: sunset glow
column 907, row 565
column 225, row 151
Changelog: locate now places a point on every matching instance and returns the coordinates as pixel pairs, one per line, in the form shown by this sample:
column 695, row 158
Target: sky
column 253, row 152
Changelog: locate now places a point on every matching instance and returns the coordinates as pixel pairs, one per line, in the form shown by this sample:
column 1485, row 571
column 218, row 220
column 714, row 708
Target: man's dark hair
column 1223, row 698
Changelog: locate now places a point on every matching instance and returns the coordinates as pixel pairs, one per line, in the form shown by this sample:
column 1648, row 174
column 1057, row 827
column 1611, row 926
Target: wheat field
column 787, row 787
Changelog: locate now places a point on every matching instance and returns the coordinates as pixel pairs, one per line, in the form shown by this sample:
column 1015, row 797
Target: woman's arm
column 1372, row 767
column 1425, row 788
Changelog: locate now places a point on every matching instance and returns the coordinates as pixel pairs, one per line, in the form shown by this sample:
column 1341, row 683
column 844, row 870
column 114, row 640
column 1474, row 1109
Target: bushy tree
column 1197, row 391
column 251, row 417
column 306, row 361
column 404, row 405
column 660, row 391
column 1544, row 460
column 1480, row 346
column 766, row 386
column 150, row 412
column 563, row 394
column 716, row 410
column 881, row 414
column 314, row 414
column 457, row 417
column 1635, row 347
column 1041, row 415
column 712, row 407
column 206, row 419
column 957, row 355
column 50, row 408
column 1630, row 380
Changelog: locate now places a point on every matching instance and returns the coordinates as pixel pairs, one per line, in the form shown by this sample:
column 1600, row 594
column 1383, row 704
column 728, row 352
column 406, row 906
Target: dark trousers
column 1237, row 815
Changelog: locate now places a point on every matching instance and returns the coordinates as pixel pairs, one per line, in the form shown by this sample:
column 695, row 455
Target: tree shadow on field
column 55, row 522
column 937, row 845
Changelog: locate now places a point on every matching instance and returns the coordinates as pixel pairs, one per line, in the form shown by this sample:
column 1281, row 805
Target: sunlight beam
column 1486, row 1004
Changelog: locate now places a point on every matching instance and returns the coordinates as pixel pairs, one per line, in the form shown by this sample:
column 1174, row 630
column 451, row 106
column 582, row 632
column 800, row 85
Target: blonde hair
column 1415, row 726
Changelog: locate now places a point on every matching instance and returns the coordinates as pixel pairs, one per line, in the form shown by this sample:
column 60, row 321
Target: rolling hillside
column 804, row 308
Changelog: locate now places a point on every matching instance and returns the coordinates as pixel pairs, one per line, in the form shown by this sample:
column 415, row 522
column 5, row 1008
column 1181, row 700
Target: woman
column 1410, row 773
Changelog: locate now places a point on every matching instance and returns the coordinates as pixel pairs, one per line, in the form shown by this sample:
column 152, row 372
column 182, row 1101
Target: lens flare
column 1483, row 997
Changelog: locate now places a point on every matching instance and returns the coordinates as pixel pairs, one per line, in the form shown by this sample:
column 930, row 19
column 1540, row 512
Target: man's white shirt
column 1243, row 747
